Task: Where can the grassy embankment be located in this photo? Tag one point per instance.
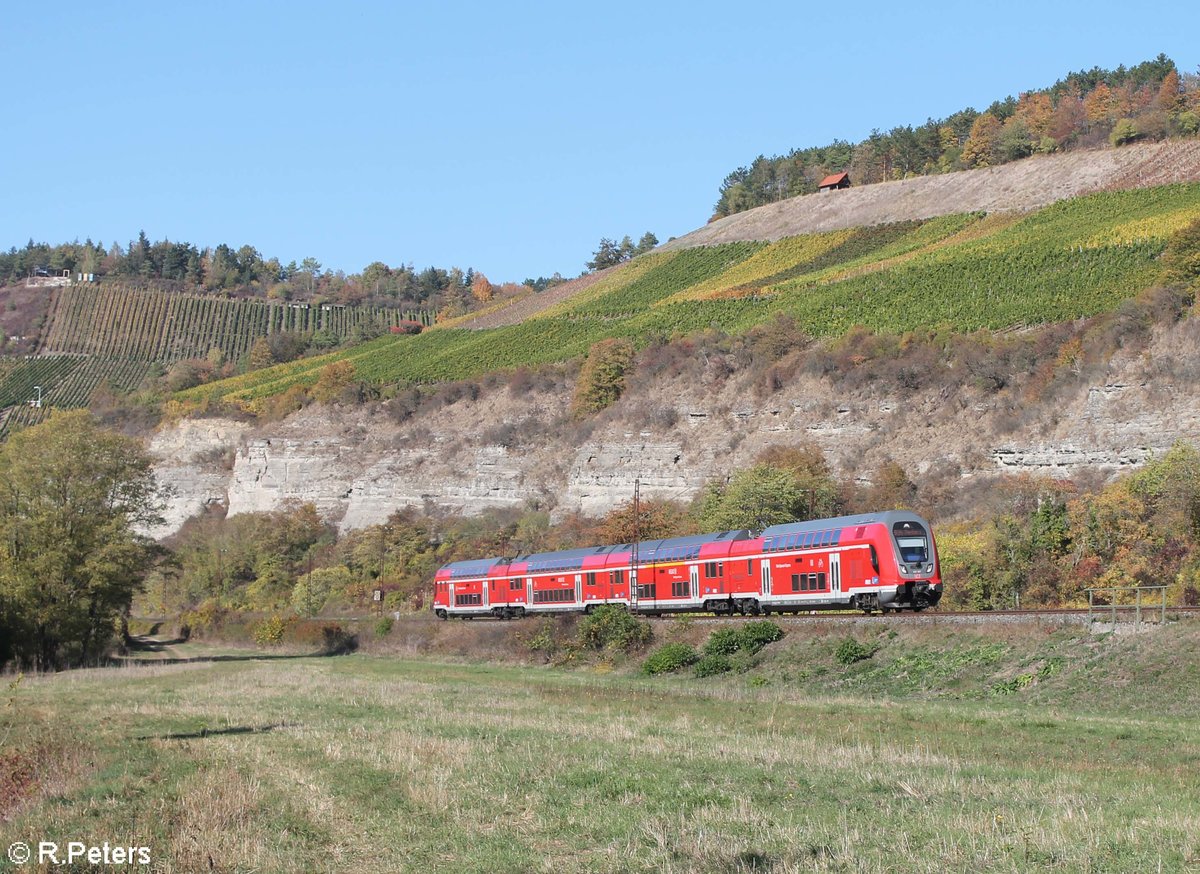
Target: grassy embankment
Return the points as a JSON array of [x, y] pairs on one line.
[[922, 757], [1074, 259]]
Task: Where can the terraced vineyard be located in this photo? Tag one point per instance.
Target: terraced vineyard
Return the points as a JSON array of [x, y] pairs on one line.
[[114, 335], [115, 321], [66, 382], [1073, 259]]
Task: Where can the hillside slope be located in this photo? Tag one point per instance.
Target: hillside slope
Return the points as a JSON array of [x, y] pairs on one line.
[[1018, 187], [961, 272], [1021, 186]]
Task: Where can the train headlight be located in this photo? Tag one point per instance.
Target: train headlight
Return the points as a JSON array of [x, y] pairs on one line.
[[928, 568]]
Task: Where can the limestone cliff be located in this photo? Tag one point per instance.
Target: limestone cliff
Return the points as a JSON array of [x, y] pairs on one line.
[[358, 465]]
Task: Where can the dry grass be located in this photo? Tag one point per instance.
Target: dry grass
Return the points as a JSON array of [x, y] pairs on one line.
[[372, 763], [1017, 187]]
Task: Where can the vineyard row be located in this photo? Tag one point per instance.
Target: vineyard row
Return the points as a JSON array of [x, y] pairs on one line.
[[112, 321]]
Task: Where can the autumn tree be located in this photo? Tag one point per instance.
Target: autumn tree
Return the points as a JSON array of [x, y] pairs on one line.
[[805, 462], [72, 500], [335, 378], [1181, 259], [653, 520], [753, 499], [979, 149], [481, 289], [891, 489], [602, 377], [261, 354]]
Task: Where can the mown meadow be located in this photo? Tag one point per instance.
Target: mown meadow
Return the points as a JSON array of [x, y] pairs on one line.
[[1074, 259], [809, 761]]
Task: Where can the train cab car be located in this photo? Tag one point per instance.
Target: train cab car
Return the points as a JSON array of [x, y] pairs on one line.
[[876, 561]]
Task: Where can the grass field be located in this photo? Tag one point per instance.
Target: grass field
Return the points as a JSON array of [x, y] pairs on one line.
[[389, 763]]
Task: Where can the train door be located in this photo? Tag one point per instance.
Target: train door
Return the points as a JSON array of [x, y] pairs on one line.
[[528, 592], [578, 588], [633, 587], [835, 574], [695, 572], [486, 586], [450, 596], [766, 576]]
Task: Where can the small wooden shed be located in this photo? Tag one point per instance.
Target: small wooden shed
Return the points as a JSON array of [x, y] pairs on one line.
[[837, 180]]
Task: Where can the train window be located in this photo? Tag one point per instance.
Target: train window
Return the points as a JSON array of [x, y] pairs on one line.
[[645, 590], [614, 578], [514, 585], [591, 579], [749, 567], [795, 582], [808, 538], [910, 537], [820, 580], [874, 558], [679, 589], [468, 600], [553, 596]]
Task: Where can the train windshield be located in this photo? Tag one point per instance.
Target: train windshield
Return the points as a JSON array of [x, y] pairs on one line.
[[912, 541]]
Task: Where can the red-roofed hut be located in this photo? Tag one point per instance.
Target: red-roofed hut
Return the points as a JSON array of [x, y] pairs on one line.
[[837, 180]]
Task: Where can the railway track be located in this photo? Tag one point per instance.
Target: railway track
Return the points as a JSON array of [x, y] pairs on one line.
[[1078, 614]]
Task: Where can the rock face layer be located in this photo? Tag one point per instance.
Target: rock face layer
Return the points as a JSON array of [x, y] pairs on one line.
[[357, 465]]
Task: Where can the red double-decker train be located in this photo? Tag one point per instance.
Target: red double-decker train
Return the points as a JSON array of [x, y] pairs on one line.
[[875, 561]]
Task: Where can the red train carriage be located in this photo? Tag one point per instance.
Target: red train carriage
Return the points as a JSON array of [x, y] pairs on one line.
[[880, 561]]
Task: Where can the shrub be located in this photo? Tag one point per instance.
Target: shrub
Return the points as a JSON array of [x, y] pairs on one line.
[[383, 627], [713, 664], [1124, 131], [614, 628], [724, 642], [850, 651], [543, 640], [758, 634], [334, 379], [670, 657], [269, 632], [337, 640]]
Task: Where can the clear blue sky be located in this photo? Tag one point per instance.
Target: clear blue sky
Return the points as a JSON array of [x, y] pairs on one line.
[[508, 137]]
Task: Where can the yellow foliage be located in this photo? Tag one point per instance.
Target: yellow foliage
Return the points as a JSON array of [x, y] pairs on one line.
[[623, 277], [741, 279], [1144, 230], [334, 378]]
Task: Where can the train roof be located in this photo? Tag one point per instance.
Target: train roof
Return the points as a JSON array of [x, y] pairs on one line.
[[562, 560], [684, 547], [476, 567], [887, 517]]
